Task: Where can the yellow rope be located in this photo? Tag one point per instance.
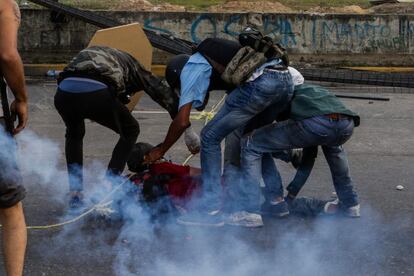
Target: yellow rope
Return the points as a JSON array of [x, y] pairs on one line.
[[188, 159], [93, 208]]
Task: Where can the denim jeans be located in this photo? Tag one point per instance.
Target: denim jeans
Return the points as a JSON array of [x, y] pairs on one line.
[[318, 130], [236, 194], [241, 105]]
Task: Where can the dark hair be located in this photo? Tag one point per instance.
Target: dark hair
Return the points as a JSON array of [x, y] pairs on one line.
[[136, 159]]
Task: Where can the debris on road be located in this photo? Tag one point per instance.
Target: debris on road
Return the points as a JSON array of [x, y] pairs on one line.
[[399, 187]]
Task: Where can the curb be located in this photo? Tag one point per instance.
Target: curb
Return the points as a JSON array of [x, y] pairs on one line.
[[43, 69]]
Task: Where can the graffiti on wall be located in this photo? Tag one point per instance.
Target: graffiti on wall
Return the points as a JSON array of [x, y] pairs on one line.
[[369, 36], [312, 33]]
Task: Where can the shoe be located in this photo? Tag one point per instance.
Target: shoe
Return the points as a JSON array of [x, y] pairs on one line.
[[335, 206], [245, 219], [276, 210], [76, 202], [353, 212], [331, 207], [207, 219]]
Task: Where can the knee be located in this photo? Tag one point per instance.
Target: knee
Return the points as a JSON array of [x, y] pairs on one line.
[[208, 137], [132, 132]]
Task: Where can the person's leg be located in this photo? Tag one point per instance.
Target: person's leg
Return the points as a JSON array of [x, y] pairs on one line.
[[108, 111], [234, 188], [129, 134], [69, 107], [14, 236], [240, 106], [75, 132], [232, 148], [268, 139], [224, 123], [231, 170], [272, 180], [274, 138], [11, 211], [338, 164]]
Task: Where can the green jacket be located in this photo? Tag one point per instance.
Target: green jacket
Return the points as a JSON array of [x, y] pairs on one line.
[[312, 100]]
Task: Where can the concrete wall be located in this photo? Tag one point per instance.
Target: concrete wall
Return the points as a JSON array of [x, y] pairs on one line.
[[321, 39]]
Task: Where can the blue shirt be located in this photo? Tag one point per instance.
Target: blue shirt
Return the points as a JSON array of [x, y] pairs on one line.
[[195, 80]]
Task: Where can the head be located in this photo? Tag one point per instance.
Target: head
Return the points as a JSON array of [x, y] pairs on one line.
[[173, 70], [136, 159]]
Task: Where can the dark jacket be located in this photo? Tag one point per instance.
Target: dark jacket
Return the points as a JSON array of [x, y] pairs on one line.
[[122, 73]]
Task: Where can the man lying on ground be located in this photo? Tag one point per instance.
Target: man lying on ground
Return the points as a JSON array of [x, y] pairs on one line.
[[167, 188]]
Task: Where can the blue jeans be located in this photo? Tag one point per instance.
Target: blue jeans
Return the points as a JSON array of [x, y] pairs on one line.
[[318, 130], [241, 105], [237, 195]]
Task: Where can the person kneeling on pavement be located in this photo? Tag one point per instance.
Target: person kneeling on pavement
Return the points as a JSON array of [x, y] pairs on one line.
[[317, 117]]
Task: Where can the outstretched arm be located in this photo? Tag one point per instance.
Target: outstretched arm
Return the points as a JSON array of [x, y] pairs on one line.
[[180, 123], [303, 172], [11, 64]]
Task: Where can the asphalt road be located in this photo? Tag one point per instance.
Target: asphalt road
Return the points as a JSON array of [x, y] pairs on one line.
[[381, 156]]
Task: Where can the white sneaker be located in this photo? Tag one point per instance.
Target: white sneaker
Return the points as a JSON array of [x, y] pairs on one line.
[[331, 207], [354, 211], [245, 219]]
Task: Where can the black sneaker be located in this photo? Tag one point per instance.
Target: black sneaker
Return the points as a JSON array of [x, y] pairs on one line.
[[275, 210]]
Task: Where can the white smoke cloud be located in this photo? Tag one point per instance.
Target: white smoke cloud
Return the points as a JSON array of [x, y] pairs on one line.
[[142, 246]]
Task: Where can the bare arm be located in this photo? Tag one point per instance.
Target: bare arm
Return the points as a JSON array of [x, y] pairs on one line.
[[180, 123], [11, 64]]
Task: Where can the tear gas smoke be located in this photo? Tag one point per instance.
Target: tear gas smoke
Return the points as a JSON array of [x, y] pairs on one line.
[[142, 246]]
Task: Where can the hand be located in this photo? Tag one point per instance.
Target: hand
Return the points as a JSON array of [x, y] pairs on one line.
[[192, 140], [19, 111], [154, 155], [194, 150]]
